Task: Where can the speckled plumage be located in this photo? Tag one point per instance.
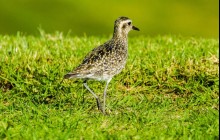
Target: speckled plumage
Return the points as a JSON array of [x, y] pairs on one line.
[[107, 60]]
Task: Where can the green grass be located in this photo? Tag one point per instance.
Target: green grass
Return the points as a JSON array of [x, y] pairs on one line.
[[168, 90]]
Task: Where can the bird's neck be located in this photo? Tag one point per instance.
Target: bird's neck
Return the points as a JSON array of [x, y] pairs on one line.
[[120, 36]]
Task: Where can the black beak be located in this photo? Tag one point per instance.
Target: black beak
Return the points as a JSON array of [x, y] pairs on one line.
[[135, 28]]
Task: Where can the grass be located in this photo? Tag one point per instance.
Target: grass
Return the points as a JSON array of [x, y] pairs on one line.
[[168, 90]]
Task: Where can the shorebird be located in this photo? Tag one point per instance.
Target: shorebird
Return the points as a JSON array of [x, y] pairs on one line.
[[107, 60]]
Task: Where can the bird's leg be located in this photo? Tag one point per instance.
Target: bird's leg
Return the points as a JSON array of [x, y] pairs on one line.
[[104, 95], [96, 97]]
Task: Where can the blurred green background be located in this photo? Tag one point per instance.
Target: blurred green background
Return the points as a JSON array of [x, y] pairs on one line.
[[96, 17]]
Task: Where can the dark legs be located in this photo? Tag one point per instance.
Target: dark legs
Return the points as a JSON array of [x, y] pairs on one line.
[[97, 98], [104, 95]]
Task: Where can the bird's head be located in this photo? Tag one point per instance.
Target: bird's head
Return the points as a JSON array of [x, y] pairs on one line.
[[123, 25]]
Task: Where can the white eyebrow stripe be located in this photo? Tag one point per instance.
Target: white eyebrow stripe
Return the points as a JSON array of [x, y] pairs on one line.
[[123, 22], [126, 21]]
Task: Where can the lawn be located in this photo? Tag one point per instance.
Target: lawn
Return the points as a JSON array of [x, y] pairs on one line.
[[168, 90]]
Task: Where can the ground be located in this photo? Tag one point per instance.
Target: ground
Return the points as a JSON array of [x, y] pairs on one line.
[[168, 90]]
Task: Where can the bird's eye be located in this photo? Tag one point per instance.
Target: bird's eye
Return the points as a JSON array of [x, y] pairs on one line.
[[129, 23]]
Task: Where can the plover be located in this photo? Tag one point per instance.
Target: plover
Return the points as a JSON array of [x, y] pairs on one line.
[[107, 60]]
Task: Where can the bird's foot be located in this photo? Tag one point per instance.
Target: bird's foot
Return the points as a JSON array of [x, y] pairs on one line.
[[100, 107]]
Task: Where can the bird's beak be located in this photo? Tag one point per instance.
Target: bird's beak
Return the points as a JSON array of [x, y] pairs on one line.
[[135, 28]]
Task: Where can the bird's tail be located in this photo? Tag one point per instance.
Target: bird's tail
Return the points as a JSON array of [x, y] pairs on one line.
[[69, 75]]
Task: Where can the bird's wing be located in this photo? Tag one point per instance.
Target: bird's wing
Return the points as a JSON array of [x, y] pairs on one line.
[[95, 55], [92, 60], [93, 63]]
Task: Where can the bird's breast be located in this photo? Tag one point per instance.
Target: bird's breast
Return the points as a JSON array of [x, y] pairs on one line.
[[116, 59]]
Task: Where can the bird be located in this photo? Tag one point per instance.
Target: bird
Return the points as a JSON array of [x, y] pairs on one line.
[[106, 60]]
